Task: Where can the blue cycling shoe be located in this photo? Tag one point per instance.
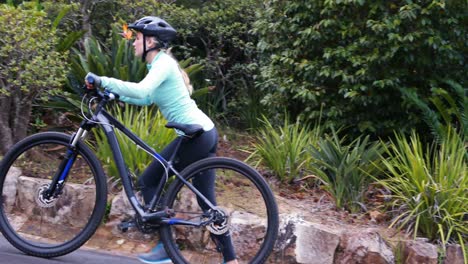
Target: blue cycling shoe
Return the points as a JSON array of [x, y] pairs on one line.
[[157, 255]]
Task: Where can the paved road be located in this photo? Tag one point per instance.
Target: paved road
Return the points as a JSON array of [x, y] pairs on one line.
[[10, 255]]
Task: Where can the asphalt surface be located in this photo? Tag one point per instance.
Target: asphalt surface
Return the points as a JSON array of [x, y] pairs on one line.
[[10, 255]]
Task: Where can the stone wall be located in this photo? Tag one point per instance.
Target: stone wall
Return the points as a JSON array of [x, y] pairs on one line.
[[299, 241]]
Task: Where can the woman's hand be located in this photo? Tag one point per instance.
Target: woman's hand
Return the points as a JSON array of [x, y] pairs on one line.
[[92, 81]]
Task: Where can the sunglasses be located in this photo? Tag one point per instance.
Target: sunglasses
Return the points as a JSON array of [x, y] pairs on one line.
[[127, 33]]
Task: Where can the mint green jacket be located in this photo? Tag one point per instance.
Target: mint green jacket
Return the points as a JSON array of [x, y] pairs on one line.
[[165, 87]]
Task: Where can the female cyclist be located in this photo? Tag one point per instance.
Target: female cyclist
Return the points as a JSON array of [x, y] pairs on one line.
[[167, 86]]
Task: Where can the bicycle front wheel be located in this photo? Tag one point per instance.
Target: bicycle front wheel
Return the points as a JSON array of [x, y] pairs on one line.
[[56, 226], [244, 197]]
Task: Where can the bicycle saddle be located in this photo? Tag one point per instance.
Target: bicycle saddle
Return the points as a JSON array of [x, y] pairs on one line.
[[190, 130]]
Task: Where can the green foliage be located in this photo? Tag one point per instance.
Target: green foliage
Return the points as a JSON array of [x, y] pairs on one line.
[[353, 58], [443, 110], [64, 17], [30, 67], [26, 50], [119, 61], [148, 124], [283, 149], [345, 168], [429, 187]]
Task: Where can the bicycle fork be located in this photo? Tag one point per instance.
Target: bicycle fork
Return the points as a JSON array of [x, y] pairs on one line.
[[56, 186]]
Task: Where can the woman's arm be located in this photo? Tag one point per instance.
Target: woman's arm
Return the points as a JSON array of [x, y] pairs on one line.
[[142, 102], [142, 90]]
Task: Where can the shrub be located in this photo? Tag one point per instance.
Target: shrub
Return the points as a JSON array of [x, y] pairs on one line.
[[355, 56], [443, 110], [345, 168], [30, 68], [283, 149], [429, 186]]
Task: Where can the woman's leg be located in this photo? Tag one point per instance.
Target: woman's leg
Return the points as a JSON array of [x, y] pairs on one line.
[[190, 151], [150, 178]]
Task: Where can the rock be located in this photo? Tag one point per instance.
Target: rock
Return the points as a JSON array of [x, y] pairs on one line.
[[246, 229], [305, 242], [10, 187], [73, 208], [454, 255], [121, 210], [364, 246], [316, 243], [417, 251]]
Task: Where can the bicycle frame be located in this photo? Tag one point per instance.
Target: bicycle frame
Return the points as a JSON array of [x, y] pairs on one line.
[[108, 123]]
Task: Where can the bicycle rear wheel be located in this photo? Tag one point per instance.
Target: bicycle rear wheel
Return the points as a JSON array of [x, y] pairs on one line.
[[56, 226], [244, 197]]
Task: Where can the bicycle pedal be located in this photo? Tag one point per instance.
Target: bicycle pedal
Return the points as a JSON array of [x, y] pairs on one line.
[[125, 225]]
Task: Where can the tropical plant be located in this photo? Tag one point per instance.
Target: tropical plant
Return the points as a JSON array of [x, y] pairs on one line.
[[445, 108], [63, 16], [344, 168], [146, 122], [429, 186], [30, 68], [283, 149]]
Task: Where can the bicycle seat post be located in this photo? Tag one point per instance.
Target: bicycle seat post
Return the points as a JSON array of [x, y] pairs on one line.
[[176, 149]]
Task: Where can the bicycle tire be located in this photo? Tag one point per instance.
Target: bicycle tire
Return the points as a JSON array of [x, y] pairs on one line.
[[243, 193], [52, 227]]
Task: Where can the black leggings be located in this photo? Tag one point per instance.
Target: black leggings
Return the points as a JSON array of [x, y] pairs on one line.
[[190, 150]]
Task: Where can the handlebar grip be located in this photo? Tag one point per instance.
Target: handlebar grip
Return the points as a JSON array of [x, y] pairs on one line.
[[90, 80]]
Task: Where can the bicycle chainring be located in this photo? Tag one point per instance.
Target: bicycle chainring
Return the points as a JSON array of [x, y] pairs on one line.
[[145, 227]]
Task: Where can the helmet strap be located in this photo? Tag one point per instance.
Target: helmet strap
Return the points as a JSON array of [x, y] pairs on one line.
[[145, 51]]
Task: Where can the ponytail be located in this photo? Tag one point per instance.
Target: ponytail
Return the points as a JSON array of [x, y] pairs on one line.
[[185, 76]]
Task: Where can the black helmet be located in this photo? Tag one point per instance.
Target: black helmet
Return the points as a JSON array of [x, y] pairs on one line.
[[154, 26]]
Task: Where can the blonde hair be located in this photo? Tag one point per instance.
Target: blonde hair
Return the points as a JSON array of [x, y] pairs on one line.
[[187, 82], [185, 76]]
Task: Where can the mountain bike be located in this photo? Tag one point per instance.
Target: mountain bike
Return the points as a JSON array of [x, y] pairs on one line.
[[54, 195]]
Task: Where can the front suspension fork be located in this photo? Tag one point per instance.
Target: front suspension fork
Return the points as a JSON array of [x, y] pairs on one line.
[[56, 186]]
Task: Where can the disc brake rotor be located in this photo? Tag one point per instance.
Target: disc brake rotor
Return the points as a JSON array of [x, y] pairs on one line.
[[222, 223], [41, 200]]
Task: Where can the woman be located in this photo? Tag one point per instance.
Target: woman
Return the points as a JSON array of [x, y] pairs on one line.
[[167, 86]]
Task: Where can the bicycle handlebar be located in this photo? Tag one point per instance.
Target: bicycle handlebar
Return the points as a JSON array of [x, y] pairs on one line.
[[106, 94]]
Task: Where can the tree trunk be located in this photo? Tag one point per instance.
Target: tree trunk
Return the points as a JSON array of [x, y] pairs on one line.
[[6, 136], [15, 114]]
